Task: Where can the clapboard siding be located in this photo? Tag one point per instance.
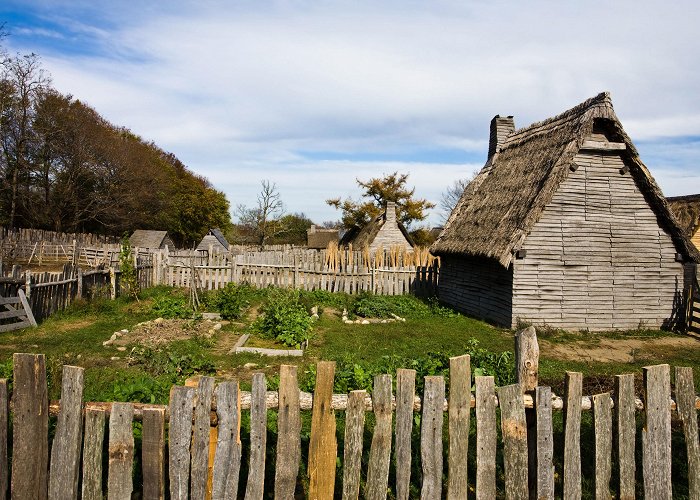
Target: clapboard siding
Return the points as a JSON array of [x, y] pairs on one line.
[[389, 235], [597, 258], [477, 286]]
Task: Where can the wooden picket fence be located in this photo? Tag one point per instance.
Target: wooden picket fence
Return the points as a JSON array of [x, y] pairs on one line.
[[192, 448]]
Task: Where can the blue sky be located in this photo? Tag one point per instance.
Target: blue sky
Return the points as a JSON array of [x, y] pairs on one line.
[[314, 94]]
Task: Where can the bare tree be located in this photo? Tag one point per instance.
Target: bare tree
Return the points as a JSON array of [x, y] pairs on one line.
[[451, 196], [263, 220]]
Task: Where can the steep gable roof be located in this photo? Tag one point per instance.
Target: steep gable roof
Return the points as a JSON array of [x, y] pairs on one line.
[[364, 236], [687, 212], [146, 238], [501, 205]]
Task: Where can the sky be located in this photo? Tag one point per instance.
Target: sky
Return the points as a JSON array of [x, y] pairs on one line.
[[312, 95]]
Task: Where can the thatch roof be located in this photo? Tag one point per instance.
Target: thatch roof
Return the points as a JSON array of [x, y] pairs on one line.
[[687, 212], [146, 238], [500, 206], [214, 238], [364, 236]]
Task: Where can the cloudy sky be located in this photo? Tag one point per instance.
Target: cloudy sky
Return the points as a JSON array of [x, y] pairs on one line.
[[314, 94]]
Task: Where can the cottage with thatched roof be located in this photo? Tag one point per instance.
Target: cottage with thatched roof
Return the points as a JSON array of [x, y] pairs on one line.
[[318, 238], [146, 238], [215, 240], [564, 226], [384, 231], [687, 212]]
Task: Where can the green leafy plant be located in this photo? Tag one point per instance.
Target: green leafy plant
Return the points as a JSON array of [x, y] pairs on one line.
[[128, 278], [233, 300], [284, 318], [373, 306], [178, 363], [172, 306], [142, 389]]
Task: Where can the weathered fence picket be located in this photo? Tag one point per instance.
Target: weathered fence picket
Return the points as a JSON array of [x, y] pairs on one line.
[[121, 452], [405, 394], [352, 454], [92, 454]]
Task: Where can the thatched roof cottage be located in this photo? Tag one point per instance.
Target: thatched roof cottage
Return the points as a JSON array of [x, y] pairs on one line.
[[147, 238], [564, 226], [384, 231], [687, 212], [214, 239], [319, 238]]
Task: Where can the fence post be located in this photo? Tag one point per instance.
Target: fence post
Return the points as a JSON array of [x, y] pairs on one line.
[[79, 291], [27, 283], [112, 283], [527, 353]]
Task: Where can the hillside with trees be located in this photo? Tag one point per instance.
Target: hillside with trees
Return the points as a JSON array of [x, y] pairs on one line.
[[63, 167]]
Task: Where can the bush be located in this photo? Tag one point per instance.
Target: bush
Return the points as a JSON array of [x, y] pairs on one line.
[[373, 306], [284, 318], [233, 300], [172, 306]]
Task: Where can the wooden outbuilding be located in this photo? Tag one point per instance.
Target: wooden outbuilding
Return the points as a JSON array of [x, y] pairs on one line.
[[214, 239], [687, 212], [384, 231], [565, 226], [147, 238], [318, 238]]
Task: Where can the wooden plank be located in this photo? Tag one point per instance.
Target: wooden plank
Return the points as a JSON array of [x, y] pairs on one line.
[[27, 309], [4, 421], [227, 461], [288, 433], [626, 428], [380, 449], [121, 452], [322, 445], [30, 441], [602, 422], [656, 434], [179, 437], [65, 451], [92, 453], [153, 453], [458, 426], [514, 432], [485, 438], [352, 449], [545, 443], [572, 435], [258, 438], [405, 394], [685, 402], [431, 437], [199, 464]]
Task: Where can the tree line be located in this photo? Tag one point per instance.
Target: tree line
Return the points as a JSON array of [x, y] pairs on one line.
[[63, 167]]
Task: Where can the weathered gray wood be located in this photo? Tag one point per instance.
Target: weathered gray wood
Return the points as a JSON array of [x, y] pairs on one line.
[[322, 445], [656, 434], [4, 421], [572, 435], [179, 437], [121, 452], [431, 437], [258, 438], [685, 402], [405, 394], [227, 460], [199, 465], [527, 355], [352, 452], [625, 434], [514, 432], [30, 425], [380, 449], [459, 406], [153, 453], [485, 438], [65, 451], [288, 432], [602, 421], [545, 443], [27, 308], [92, 453]]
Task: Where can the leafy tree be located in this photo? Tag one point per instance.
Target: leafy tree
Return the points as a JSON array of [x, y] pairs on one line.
[[379, 191], [293, 229], [262, 221]]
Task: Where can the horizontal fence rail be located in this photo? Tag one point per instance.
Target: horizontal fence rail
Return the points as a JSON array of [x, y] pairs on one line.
[[214, 452]]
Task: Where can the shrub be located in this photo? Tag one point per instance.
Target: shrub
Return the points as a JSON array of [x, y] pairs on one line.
[[284, 318], [373, 306], [233, 300], [172, 306]]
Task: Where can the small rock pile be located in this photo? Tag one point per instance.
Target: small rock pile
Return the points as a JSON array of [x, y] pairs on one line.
[[368, 321]]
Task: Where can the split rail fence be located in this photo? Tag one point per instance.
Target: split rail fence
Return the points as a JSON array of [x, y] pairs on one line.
[[193, 447]]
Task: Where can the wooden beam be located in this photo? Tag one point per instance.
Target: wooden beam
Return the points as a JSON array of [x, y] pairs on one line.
[[603, 145]]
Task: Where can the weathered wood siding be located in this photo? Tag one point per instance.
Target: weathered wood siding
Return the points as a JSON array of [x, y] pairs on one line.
[[389, 235], [477, 286], [597, 258]]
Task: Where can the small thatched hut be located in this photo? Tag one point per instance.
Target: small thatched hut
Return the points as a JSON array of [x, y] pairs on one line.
[[385, 231], [564, 226], [214, 239], [318, 238], [147, 238], [687, 212]]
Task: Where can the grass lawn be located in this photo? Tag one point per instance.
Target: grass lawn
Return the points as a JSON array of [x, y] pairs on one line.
[[425, 341]]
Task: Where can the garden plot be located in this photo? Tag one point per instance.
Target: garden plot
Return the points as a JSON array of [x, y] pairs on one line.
[[162, 331]]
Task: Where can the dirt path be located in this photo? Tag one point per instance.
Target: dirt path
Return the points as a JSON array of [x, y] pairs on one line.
[[606, 350]]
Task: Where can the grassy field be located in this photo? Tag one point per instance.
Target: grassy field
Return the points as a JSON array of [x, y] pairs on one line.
[[429, 336]]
